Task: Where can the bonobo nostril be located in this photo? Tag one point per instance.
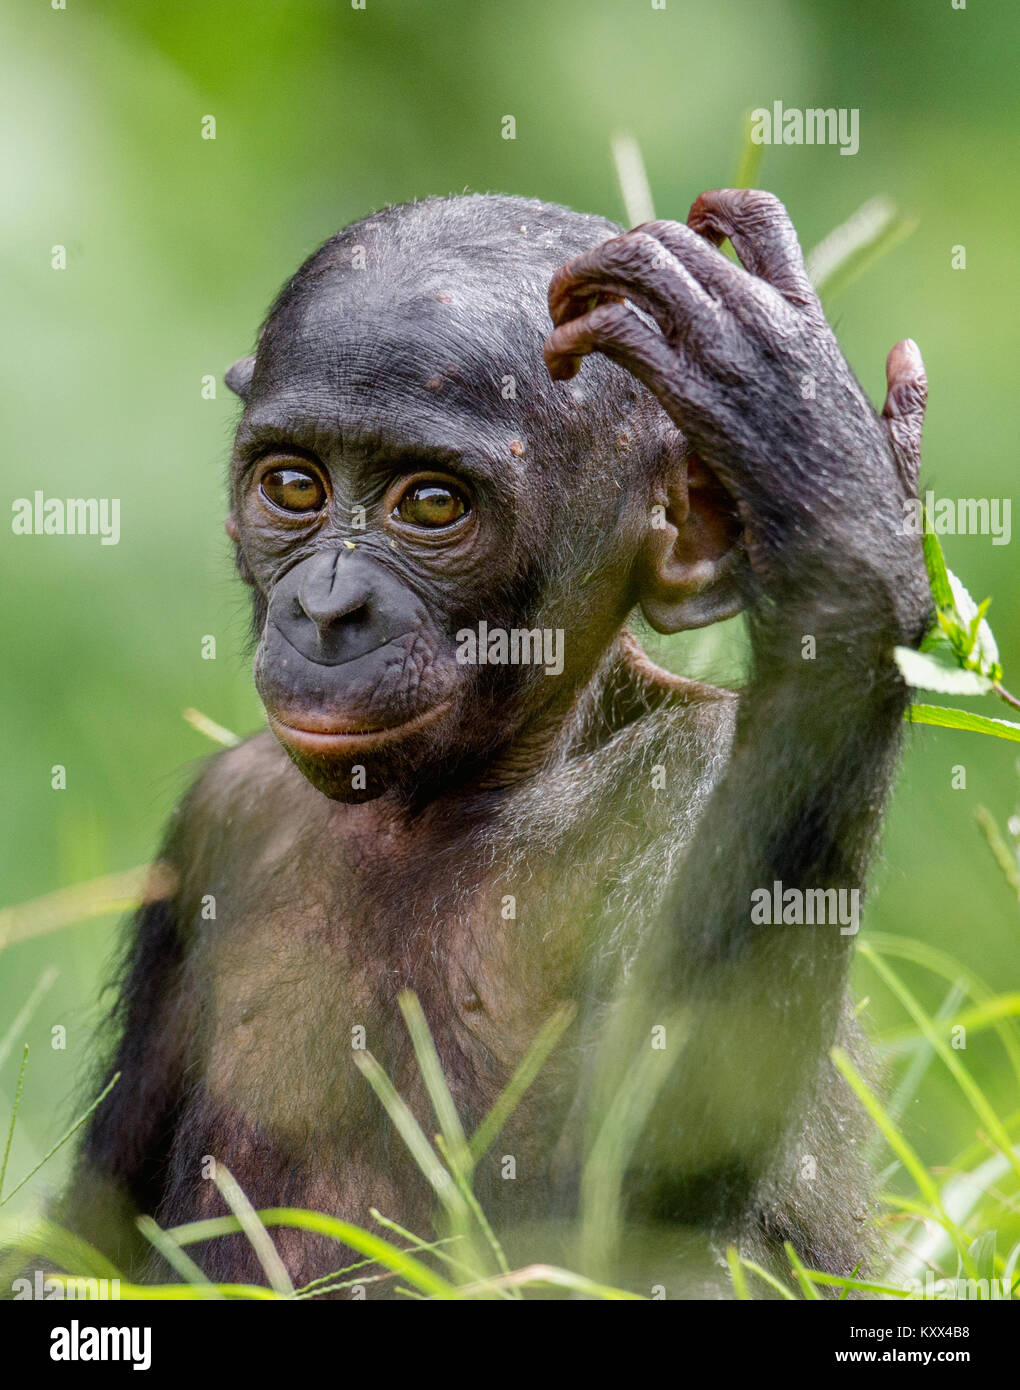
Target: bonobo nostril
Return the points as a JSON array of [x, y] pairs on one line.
[[335, 608], [330, 594], [327, 615]]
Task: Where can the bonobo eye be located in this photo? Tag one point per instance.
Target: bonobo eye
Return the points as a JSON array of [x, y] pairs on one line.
[[431, 505], [293, 489]]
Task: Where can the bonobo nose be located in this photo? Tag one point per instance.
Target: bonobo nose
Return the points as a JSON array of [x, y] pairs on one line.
[[338, 605], [330, 594]]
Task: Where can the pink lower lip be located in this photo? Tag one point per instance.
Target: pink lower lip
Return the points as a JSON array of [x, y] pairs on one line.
[[327, 740]]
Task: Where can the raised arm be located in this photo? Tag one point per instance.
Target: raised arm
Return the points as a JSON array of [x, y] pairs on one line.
[[745, 364]]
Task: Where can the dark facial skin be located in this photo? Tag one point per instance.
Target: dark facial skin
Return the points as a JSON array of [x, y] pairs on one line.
[[380, 506], [697, 446]]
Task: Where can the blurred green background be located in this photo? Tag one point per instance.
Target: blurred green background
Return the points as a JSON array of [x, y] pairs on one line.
[[176, 244]]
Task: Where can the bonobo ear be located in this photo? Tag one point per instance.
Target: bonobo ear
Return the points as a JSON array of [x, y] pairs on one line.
[[238, 377], [693, 562]]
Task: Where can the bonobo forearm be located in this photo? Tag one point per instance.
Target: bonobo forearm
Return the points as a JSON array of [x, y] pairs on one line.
[[751, 954], [755, 946]]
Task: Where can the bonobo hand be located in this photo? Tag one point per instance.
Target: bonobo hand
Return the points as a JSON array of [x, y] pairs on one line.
[[746, 365]]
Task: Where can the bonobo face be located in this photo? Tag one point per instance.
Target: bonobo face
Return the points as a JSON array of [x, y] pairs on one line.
[[391, 491]]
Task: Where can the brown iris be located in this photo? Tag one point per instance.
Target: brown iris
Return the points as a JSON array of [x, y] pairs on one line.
[[431, 505], [294, 490]]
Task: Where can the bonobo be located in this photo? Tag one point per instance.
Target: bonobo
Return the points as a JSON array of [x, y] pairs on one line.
[[475, 784]]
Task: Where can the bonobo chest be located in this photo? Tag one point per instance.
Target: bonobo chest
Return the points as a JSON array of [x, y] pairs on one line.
[[303, 966], [493, 907]]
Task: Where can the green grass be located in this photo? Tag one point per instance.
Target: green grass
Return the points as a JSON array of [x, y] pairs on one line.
[[957, 1223]]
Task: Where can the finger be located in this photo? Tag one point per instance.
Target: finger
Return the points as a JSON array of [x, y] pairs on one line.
[[725, 281], [637, 267], [618, 333], [903, 412], [762, 235]]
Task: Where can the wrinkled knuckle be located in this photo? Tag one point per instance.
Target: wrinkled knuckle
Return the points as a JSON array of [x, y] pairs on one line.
[[606, 317], [635, 250], [909, 396], [662, 227], [759, 203]]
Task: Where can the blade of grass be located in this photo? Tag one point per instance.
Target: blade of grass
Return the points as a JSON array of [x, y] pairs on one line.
[[1003, 856], [981, 1016], [464, 1184], [837, 1281], [941, 963], [620, 1125], [177, 1259], [324, 1287], [438, 1175], [959, 1198], [548, 1036], [432, 1247], [14, 1120], [978, 1150], [802, 1276], [737, 1276], [43, 1239], [770, 1279], [919, 1064], [64, 1138], [748, 164], [68, 906], [189, 1293], [364, 1242], [551, 1276], [630, 173], [455, 1141], [258, 1237], [855, 245], [210, 728], [923, 1180], [26, 1012], [976, 1097]]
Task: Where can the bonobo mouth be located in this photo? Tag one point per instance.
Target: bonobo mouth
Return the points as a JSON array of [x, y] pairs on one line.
[[325, 735]]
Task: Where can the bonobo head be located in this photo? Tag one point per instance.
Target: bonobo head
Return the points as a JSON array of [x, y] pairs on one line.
[[405, 471]]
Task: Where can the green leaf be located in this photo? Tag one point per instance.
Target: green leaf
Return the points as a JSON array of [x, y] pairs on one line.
[[935, 640], [926, 671], [945, 718], [938, 574], [955, 633], [982, 650]]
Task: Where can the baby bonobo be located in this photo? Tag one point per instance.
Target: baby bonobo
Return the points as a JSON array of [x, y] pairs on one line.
[[477, 787]]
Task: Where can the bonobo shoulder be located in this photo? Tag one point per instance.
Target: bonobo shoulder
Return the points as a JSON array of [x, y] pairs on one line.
[[240, 778], [240, 795]]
